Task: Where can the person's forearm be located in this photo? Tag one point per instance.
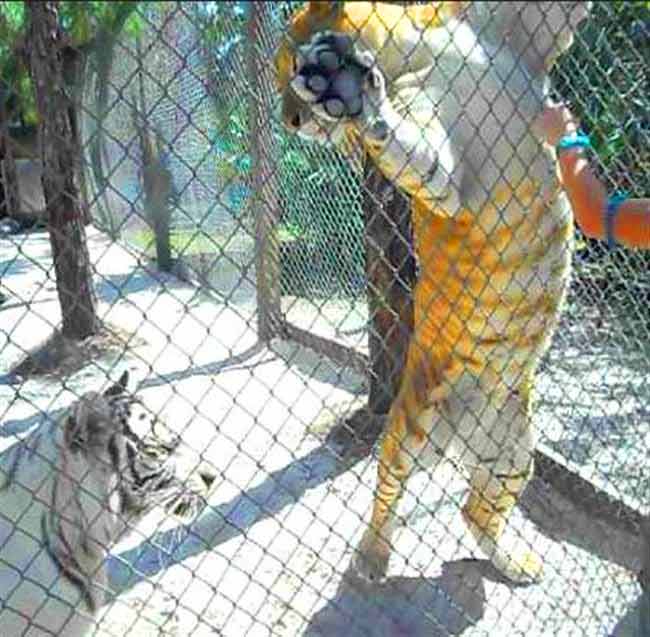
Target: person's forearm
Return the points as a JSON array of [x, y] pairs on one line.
[[632, 223], [588, 197]]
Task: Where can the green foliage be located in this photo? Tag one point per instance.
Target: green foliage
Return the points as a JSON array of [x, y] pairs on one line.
[[12, 19], [14, 78], [221, 22], [321, 230], [230, 141], [605, 78], [321, 215], [82, 21]]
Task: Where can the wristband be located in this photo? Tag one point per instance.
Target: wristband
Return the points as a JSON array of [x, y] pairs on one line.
[[576, 139], [611, 210]]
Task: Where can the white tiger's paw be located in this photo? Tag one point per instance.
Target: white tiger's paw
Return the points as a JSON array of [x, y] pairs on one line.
[[370, 561], [339, 81]]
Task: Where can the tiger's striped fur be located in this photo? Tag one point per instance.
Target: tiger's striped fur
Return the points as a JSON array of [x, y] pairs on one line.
[[68, 492], [442, 99]]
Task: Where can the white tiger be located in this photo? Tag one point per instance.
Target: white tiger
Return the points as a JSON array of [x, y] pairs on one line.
[[68, 492]]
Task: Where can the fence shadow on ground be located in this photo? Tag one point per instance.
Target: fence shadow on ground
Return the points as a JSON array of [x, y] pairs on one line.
[[21, 426], [111, 288], [236, 361]]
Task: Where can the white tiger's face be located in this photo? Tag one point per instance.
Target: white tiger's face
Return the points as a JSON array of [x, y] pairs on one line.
[[120, 452]]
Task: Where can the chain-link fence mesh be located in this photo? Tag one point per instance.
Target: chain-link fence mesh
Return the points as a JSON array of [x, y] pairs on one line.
[[263, 291]]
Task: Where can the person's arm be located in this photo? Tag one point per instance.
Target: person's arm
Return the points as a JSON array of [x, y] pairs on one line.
[[630, 224], [630, 220]]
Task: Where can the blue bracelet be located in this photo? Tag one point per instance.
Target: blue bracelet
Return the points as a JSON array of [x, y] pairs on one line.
[[613, 205], [577, 139]]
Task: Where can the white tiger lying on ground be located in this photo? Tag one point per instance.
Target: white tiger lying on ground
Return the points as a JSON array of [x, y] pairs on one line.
[[68, 492]]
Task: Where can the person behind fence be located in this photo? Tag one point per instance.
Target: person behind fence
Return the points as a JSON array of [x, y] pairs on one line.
[[616, 219]]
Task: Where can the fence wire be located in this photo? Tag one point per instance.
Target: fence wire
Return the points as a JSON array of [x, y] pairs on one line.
[[299, 320]]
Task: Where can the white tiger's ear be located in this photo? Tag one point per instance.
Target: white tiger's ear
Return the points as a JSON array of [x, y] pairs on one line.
[[116, 389]]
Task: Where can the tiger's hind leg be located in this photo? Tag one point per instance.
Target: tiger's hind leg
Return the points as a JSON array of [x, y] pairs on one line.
[[486, 514], [416, 438], [499, 457]]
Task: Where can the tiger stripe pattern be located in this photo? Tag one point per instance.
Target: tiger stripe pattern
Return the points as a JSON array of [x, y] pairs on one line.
[[69, 491], [442, 98]]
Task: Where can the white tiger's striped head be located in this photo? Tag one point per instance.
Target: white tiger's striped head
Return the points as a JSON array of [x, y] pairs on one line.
[[120, 452], [69, 491]]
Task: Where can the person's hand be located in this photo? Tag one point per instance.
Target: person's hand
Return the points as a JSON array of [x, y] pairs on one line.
[[554, 122]]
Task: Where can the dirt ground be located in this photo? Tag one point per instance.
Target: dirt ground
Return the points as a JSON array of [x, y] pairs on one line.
[[270, 554]]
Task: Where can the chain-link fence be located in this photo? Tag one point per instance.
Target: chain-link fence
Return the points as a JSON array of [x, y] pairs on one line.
[[281, 303]]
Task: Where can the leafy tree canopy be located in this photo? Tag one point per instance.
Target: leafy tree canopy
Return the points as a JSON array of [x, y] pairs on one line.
[[82, 21]]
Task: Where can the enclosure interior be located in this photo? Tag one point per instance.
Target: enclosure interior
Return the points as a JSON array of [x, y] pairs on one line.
[[259, 373]]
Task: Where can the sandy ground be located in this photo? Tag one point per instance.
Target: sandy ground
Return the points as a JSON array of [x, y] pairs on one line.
[[270, 555]]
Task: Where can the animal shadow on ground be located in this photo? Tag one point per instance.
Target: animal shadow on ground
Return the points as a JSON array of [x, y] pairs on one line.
[[406, 606]]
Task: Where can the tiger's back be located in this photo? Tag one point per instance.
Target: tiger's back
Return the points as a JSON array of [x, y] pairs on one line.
[[29, 578], [493, 272]]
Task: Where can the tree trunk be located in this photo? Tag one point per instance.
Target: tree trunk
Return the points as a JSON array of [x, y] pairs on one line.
[[644, 578], [264, 201], [156, 177], [104, 64], [391, 273], [157, 192], [104, 56], [74, 69], [59, 153], [9, 194]]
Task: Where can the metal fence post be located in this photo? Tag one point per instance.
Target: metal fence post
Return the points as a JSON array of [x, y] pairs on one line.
[[391, 275]]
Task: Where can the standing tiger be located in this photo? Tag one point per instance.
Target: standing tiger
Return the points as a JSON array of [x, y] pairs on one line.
[[68, 492], [442, 97]]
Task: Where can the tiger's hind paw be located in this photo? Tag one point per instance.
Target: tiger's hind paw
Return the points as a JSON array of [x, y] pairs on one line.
[[524, 567], [517, 565], [370, 561]]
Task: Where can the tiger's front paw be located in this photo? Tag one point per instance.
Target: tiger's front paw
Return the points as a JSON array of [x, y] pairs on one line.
[[341, 82], [370, 561]]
